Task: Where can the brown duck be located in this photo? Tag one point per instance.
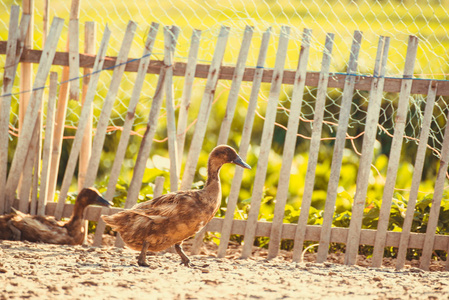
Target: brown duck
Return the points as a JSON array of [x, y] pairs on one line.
[[19, 226], [169, 219]]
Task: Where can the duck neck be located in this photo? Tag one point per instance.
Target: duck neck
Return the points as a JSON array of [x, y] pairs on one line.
[[76, 220], [213, 174]]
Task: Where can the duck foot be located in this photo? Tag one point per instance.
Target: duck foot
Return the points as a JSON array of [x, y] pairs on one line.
[[142, 259], [143, 263]]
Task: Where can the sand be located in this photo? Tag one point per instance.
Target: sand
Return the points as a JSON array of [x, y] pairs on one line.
[[42, 271]]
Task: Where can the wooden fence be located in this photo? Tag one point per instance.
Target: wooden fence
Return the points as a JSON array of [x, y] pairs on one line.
[[35, 163]]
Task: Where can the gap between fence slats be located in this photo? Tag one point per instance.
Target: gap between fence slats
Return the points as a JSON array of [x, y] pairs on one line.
[[395, 153], [127, 126], [289, 145], [266, 139], [429, 241], [46, 155], [235, 86], [204, 111], [417, 175], [339, 146], [189, 77], [170, 39], [355, 226], [32, 111], [76, 145], [103, 120], [244, 145], [314, 147], [16, 37]]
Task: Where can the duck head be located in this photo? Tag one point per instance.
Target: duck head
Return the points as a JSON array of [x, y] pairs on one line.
[[91, 195], [224, 154]]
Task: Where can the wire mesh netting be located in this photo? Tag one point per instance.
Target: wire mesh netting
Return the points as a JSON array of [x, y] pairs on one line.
[[428, 20]]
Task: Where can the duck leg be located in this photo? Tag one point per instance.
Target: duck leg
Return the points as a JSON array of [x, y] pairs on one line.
[[16, 233], [184, 258], [142, 260]]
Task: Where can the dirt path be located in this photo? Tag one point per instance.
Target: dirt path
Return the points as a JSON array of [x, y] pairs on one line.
[[33, 271]]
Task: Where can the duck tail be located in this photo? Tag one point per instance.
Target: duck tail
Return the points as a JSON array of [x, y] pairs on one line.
[[115, 221]]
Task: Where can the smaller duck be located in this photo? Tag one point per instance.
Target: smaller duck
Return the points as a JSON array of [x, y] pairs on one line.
[[168, 220], [18, 226]]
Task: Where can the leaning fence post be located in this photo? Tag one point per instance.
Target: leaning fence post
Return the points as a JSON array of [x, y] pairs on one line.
[[395, 152], [372, 117], [289, 145], [314, 147], [14, 48], [345, 110], [265, 145], [33, 109]]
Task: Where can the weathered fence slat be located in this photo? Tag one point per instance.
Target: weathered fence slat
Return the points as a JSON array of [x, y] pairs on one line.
[[189, 77], [372, 117], [314, 147], [86, 144], [16, 37], [204, 112], [144, 150], [147, 141], [46, 156], [158, 186], [429, 241], [103, 120], [85, 112], [235, 86], [244, 145], [170, 40], [265, 145], [232, 101], [61, 112], [33, 110], [127, 126], [417, 175], [289, 145], [395, 152], [74, 57], [339, 146]]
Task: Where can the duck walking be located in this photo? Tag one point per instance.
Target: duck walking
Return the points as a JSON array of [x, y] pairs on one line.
[[168, 220], [18, 226]]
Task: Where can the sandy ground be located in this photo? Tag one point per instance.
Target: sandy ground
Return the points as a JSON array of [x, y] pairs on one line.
[[41, 271]]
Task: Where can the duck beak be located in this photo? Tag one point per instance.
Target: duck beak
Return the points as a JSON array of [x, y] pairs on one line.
[[102, 201], [241, 163]]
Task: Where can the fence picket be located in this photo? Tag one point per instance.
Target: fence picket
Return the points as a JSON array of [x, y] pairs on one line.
[[76, 145], [32, 111], [42, 201], [170, 40], [230, 108], [127, 126], [429, 241], [417, 175], [147, 141], [289, 145], [205, 108], [265, 145], [314, 147], [189, 77], [372, 117], [158, 186], [86, 144], [244, 145], [74, 57], [16, 37], [103, 120], [395, 152], [339, 146], [235, 86]]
